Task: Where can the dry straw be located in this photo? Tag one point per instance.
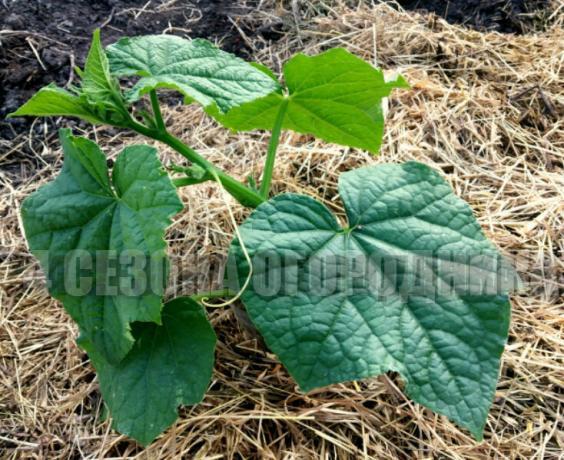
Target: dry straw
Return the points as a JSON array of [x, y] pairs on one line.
[[486, 109]]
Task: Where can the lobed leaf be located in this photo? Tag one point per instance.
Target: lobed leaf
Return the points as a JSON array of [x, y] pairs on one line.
[[412, 285], [84, 217], [169, 365], [335, 96], [196, 68]]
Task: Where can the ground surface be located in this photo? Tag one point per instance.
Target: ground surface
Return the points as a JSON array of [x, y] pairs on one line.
[[486, 109], [42, 40], [508, 16]]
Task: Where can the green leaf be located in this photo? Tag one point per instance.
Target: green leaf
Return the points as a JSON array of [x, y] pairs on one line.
[[98, 100], [411, 285], [54, 101], [169, 365], [100, 88], [84, 218], [196, 68], [335, 96], [264, 69], [97, 83]]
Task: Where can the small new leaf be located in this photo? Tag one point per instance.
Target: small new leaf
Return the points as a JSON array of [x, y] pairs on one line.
[[412, 285], [98, 85], [97, 100], [335, 96], [169, 365], [100, 241], [196, 68], [54, 101]]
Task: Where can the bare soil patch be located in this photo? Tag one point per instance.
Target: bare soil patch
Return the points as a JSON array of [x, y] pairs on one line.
[[507, 16], [42, 40]]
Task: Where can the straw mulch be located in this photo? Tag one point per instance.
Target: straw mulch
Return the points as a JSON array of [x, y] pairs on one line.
[[486, 109]]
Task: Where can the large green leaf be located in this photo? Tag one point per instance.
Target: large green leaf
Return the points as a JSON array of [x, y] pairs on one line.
[[54, 101], [335, 96], [196, 68], [169, 365], [411, 285], [84, 218]]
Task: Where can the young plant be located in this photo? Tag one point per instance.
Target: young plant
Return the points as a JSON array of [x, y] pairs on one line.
[[409, 284]]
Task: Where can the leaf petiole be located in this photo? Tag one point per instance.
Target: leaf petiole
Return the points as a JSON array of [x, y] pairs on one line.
[[157, 111], [185, 181], [272, 147]]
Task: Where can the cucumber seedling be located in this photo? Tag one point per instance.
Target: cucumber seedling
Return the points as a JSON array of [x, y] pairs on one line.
[[409, 284]]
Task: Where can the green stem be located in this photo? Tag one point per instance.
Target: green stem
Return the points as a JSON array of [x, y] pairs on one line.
[[184, 181], [157, 111], [238, 190], [272, 147], [213, 294]]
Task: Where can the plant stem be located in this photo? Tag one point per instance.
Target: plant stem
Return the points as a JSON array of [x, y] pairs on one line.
[[184, 181], [271, 153], [238, 190], [157, 111], [213, 294]]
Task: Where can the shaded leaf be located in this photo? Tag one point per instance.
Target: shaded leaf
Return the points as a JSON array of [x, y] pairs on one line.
[[114, 229], [411, 285], [169, 365]]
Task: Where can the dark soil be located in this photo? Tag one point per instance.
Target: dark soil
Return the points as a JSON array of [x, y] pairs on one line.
[[507, 16], [42, 40]]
